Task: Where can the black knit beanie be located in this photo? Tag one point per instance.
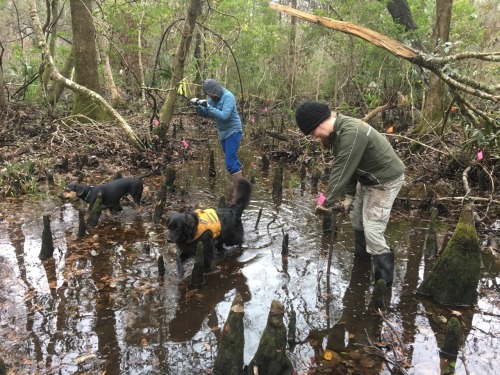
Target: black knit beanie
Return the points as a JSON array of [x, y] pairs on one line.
[[212, 88], [310, 114]]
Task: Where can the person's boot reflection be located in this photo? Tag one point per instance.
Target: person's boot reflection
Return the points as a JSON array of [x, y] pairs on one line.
[[380, 303], [357, 321], [356, 315]]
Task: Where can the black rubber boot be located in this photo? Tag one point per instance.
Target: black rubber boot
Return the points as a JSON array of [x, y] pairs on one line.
[[383, 267], [360, 245]]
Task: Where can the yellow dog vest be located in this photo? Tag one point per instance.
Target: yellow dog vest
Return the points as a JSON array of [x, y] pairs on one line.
[[207, 220]]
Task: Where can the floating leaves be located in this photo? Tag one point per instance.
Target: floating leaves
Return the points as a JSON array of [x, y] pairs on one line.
[[84, 358]]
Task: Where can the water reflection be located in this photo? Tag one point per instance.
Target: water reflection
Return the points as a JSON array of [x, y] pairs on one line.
[[100, 306], [197, 307]]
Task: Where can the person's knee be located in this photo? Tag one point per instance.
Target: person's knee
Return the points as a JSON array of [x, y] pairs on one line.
[[356, 220], [375, 241]]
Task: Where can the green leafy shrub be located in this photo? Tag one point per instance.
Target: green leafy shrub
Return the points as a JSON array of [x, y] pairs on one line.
[[18, 178]]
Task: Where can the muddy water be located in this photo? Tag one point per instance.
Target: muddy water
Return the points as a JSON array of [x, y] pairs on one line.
[[99, 306]]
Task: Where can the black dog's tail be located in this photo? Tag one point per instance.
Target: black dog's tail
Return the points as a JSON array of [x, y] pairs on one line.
[[241, 195]]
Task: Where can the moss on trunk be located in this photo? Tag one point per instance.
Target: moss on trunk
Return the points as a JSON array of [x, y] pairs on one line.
[[229, 358], [271, 357], [454, 278]]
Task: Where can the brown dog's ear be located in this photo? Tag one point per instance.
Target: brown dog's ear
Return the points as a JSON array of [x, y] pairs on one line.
[[80, 189]]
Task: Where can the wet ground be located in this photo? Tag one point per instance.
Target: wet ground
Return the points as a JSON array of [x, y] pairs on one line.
[[100, 306]]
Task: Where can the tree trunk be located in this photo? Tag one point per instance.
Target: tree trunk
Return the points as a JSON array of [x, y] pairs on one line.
[[178, 66], [401, 14], [292, 57], [109, 81], [490, 37], [85, 55], [51, 24], [198, 79], [3, 97], [57, 86], [434, 105], [139, 56], [76, 88]]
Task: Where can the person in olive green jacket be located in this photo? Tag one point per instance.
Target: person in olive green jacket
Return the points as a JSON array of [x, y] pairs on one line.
[[366, 170]]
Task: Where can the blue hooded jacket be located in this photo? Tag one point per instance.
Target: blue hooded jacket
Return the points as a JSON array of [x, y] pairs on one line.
[[225, 113]]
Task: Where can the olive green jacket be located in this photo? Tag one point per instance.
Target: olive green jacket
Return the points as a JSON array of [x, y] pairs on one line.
[[360, 154]]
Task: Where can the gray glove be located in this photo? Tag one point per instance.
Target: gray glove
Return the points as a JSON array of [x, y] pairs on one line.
[[194, 101], [347, 203]]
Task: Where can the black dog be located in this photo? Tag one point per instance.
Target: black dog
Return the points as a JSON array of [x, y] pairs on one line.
[[214, 228], [111, 192]]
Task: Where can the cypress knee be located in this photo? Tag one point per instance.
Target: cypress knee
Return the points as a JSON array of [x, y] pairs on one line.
[[454, 278], [95, 212], [271, 357], [47, 250], [211, 165], [198, 274], [82, 226], [451, 344], [229, 358]]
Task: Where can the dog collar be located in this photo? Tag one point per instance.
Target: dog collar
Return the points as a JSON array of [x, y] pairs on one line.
[[91, 187]]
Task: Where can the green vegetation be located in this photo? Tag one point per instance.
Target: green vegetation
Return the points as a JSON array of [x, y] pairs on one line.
[[455, 276], [18, 179], [264, 57]]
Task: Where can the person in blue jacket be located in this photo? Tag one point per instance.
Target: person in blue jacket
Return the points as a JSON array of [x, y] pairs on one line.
[[221, 105]]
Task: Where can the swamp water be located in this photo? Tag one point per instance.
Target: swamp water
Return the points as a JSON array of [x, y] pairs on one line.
[[100, 307]]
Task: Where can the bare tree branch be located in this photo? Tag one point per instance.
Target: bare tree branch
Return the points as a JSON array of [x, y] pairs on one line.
[[437, 65], [485, 56], [82, 90]]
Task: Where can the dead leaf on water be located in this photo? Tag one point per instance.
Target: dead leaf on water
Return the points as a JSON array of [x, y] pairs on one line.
[[367, 362], [442, 319], [191, 293], [84, 358], [238, 309]]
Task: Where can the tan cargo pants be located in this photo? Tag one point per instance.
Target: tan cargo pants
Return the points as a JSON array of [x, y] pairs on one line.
[[371, 211]]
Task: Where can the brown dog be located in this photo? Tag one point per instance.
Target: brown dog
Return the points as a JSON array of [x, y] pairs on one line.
[[111, 192]]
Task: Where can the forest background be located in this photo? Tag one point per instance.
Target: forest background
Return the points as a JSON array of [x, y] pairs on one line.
[[79, 76], [426, 68]]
